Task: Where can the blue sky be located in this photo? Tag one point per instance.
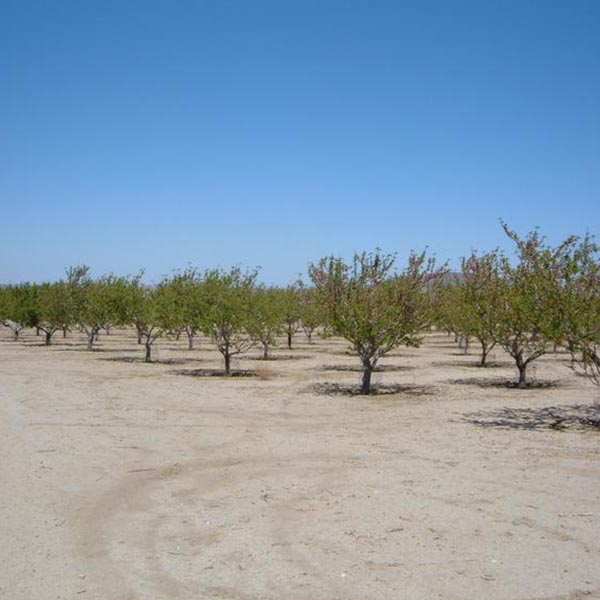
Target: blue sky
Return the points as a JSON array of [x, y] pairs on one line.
[[156, 134]]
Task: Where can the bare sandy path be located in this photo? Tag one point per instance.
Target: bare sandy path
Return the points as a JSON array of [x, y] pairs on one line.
[[122, 480]]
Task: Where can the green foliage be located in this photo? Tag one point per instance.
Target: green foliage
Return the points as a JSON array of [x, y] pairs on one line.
[[544, 295], [266, 317], [117, 296], [577, 296], [529, 319], [94, 303], [469, 304], [55, 307], [229, 318], [453, 313], [291, 311], [18, 307], [188, 302], [372, 307], [311, 316], [150, 310], [479, 300]]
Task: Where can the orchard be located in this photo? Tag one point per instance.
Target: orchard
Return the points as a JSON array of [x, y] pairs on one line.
[[527, 303]]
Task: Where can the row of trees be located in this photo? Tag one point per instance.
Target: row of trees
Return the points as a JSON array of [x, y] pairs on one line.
[[229, 306], [539, 298], [526, 303], [546, 296]]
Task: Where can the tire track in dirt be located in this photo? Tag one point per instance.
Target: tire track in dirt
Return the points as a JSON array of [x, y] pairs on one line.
[[157, 521]]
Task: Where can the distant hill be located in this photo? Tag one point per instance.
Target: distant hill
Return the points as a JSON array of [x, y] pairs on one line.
[[452, 277]]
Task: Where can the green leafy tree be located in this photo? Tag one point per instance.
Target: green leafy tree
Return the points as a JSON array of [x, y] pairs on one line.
[[4, 307], [95, 305], [132, 305], [588, 344], [578, 304], [229, 314], [18, 308], [188, 303], [55, 309], [291, 312], [311, 316], [481, 299], [76, 277], [453, 313], [10, 304], [373, 308], [266, 317], [529, 319], [153, 313], [117, 297]]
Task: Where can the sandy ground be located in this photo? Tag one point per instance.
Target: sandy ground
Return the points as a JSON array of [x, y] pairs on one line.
[[126, 481]]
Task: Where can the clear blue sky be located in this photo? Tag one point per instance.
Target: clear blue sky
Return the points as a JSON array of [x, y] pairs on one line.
[[156, 134]]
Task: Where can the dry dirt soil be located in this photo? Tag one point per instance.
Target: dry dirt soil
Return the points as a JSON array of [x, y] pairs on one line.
[[129, 481]]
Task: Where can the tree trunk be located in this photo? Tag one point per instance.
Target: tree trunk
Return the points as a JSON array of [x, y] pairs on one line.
[[90, 340], [467, 345], [190, 337], [64, 330], [15, 335], [148, 357], [309, 336], [484, 354], [37, 331], [366, 378], [289, 336], [139, 336], [265, 351], [48, 337], [227, 363], [107, 329], [522, 366]]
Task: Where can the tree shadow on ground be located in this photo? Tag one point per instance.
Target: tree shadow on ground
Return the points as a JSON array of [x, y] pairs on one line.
[[183, 347], [339, 352], [358, 368], [471, 364], [122, 349], [442, 344], [398, 354], [275, 357], [124, 359], [158, 361], [383, 389], [55, 345], [215, 373], [486, 382], [549, 417], [83, 347]]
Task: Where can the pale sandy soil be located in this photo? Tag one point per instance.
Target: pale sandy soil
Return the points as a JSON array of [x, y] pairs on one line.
[[126, 481]]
